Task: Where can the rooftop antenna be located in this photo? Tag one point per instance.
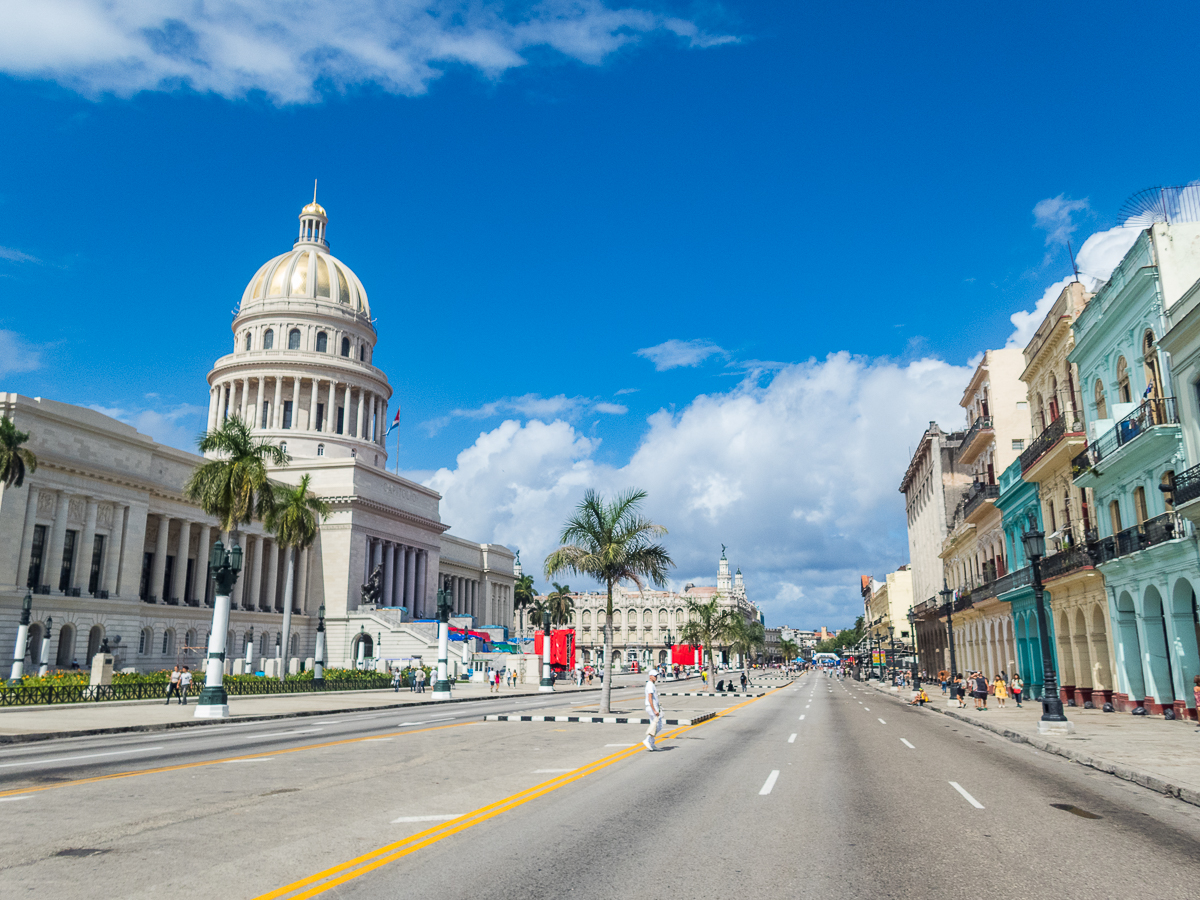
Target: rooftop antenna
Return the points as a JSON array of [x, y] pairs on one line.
[[1074, 267]]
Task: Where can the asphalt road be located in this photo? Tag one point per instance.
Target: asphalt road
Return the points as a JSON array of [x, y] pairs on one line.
[[868, 797]]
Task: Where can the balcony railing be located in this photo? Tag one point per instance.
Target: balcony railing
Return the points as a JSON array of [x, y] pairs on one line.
[[981, 424], [1066, 561], [1187, 486], [1044, 442], [977, 494], [1153, 531], [1147, 416]]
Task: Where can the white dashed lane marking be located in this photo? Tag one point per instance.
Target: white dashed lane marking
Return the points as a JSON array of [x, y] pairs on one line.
[[792, 739], [770, 783], [958, 787], [907, 744]]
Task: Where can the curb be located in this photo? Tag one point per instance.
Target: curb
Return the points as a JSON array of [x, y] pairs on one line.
[[598, 720], [710, 694], [1152, 782], [33, 737]]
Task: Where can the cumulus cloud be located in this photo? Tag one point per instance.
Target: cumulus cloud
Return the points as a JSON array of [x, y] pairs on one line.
[[293, 49], [176, 426], [610, 409], [1096, 259], [17, 354], [1055, 216], [674, 353], [797, 474], [529, 406], [14, 255]]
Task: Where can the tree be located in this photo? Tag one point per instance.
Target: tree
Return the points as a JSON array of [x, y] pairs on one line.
[[744, 638], [234, 487], [537, 611], [847, 637], [708, 625], [561, 604], [14, 459], [612, 543], [523, 594], [790, 650], [295, 516]]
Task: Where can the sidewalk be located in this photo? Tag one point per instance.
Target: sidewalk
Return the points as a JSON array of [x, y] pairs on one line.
[[21, 724], [1152, 752]]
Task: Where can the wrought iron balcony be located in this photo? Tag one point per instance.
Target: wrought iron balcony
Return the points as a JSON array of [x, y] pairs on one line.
[[978, 493], [1149, 415], [1067, 561], [978, 427], [1187, 486], [1162, 528], [1043, 442]]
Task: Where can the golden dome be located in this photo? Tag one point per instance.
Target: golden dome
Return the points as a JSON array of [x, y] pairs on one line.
[[314, 209]]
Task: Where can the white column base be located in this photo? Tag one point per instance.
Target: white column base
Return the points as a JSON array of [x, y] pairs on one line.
[[545, 690], [212, 711], [442, 695], [953, 704], [1045, 727]]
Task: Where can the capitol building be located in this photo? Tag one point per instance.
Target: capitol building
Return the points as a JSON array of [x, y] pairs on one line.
[[110, 547]]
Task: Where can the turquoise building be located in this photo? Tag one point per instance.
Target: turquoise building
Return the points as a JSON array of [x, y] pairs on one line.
[[1146, 551]]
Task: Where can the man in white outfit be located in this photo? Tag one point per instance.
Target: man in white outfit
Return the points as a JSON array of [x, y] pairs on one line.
[[653, 709]]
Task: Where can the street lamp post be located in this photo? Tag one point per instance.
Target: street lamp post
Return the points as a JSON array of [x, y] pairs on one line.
[[892, 653], [250, 651], [445, 601], [18, 666], [1053, 721], [547, 683], [45, 655], [912, 636], [948, 600], [226, 564], [319, 654], [361, 661]]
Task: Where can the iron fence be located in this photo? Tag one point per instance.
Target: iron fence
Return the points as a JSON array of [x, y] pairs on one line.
[[1044, 442], [40, 695]]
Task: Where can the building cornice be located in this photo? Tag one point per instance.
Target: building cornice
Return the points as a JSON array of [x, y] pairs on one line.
[[357, 500]]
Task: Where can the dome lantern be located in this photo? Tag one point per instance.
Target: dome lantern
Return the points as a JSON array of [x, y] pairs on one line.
[[312, 222]]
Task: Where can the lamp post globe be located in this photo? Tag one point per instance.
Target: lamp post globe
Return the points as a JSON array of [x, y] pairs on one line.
[[1053, 721], [213, 702], [546, 685]]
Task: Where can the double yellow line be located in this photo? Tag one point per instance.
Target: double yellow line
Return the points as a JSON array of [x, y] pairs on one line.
[[369, 862]]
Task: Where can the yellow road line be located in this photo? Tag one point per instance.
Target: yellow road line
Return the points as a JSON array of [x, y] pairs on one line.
[[368, 862], [213, 762]]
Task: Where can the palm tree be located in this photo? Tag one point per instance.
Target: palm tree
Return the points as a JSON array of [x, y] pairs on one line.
[[14, 459], [745, 637], [294, 519], [790, 650], [523, 594], [561, 605], [234, 487], [708, 625], [537, 611], [611, 542]]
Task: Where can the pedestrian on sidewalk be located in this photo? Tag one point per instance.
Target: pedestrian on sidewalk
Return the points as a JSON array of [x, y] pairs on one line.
[[412, 681], [185, 682], [1196, 693], [653, 709], [981, 692], [1000, 690], [173, 686], [1016, 687], [496, 679], [420, 676], [396, 680]]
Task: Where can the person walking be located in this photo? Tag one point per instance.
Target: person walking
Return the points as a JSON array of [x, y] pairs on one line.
[[412, 681], [960, 689], [185, 682], [1000, 690], [653, 709], [1196, 692], [396, 680], [419, 675], [981, 692], [173, 685], [1016, 687]]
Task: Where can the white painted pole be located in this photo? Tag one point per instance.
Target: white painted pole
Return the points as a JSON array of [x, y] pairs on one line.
[[442, 687]]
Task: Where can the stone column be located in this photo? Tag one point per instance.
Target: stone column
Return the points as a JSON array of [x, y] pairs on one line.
[[239, 587], [302, 581], [255, 564], [277, 416], [200, 576], [26, 549], [330, 408], [474, 597], [376, 556], [58, 539], [181, 556], [223, 404], [212, 408], [272, 573], [83, 552], [295, 402], [158, 570], [389, 553], [419, 603], [364, 418], [410, 578], [346, 415], [245, 398], [112, 548], [380, 420], [260, 392], [312, 406], [118, 585]]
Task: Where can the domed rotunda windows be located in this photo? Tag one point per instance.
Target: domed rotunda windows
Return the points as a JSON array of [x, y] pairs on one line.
[[345, 347], [269, 340], [294, 339], [322, 342], [249, 340]]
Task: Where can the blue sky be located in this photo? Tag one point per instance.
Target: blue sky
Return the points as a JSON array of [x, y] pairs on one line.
[[533, 194]]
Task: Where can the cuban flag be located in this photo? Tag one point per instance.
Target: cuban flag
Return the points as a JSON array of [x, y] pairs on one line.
[[395, 422]]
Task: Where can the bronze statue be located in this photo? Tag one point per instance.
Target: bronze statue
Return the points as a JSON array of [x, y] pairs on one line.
[[373, 589]]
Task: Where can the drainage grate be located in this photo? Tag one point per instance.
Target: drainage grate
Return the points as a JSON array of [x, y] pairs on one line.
[[1076, 811], [82, 851]]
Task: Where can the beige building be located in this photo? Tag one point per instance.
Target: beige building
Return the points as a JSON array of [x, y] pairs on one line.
[[886, 604], [103, 537]]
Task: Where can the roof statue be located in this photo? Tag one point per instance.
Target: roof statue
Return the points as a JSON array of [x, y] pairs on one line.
[[722, 551]]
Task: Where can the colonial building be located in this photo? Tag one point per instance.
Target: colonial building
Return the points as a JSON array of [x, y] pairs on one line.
[[109, 546], [886, 605]]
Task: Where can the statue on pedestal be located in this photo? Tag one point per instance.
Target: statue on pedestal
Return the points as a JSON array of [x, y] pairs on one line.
[[373, 589]]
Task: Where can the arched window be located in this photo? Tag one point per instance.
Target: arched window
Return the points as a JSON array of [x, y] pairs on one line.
[[248, 340], [145, 642], [294, 339], [264, 644], [362, 353], [1053, 398], [322, 342], [1101, 405], [293, 645], [168, 643], [1114, 514], [269, 340], [345, 346], [1139, 504], [320, 449], [189, 640], [1124, 394]]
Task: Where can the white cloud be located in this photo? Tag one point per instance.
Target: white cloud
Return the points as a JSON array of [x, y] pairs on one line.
[[293, 49], [176, 426], [675, 353], [627, 391], [14, 255], [798, 475], [17, 354], [530, 406], [1054, 216], [610, 409], [1096, 259]]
